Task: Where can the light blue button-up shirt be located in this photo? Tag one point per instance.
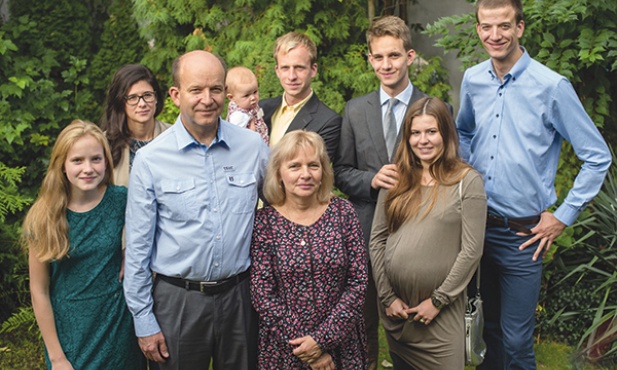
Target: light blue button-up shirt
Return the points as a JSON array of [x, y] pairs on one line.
[[511, 132], [190, 211]]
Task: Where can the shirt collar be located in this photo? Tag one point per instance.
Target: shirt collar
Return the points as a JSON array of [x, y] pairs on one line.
[[517, 69], [403, 97], [296, 107], [185, 139]]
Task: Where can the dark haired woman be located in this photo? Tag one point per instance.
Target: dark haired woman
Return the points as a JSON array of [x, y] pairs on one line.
[[426, 242], [134, 99]]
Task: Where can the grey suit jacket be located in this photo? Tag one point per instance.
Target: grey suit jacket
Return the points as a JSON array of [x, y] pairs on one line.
[[315, 116], [362, 152]]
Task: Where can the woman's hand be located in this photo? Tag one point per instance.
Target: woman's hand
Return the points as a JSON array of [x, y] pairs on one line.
[[425, 312], [324, 362], [307, 349], [397, 310]]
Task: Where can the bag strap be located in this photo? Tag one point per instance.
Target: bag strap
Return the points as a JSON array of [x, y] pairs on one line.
[[460, 195]]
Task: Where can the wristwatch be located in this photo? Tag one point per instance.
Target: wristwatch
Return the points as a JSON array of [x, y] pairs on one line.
[[437, 303]]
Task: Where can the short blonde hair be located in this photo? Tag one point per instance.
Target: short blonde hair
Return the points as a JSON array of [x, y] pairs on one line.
[[292, 40], [389, 26], [286, 149], [238, 75]]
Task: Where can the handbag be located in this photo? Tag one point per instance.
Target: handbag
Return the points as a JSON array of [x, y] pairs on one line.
[[475, 347]]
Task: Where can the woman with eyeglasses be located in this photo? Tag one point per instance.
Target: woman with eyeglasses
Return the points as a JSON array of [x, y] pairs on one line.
[[134, 99]]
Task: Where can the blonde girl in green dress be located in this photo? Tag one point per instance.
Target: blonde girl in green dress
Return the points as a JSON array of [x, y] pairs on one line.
[[73, 233]]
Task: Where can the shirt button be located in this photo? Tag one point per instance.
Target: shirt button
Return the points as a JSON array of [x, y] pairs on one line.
[[499, 94], [216, 209], [218, 237], [492, 157], [216, 264], [494, 136], [497, 115], [490, 177]]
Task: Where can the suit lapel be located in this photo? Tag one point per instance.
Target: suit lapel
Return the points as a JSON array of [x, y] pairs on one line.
[[269, 106], [305, 115], [374, 125]]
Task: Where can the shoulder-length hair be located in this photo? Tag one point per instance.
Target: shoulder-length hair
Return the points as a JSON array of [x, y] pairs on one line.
[[114, 120], [45, 230], [404, 200], [286, 149]]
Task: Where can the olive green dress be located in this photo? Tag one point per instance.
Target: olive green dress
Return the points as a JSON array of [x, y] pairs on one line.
[[438, 253], [94, 325]]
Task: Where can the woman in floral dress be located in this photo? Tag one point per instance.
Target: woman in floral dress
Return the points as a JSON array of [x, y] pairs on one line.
[[309, 268]]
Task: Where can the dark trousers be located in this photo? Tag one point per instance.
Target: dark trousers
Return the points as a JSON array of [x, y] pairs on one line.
[[199, 327], [399, 364], [371, 321], [510, 285]]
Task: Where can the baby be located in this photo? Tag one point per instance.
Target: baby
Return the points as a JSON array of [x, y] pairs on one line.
[[243, 96]]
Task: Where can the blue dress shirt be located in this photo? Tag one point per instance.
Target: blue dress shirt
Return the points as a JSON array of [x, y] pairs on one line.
[[190, 211], [511, 132]]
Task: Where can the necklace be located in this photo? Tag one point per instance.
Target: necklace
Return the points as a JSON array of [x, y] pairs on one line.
[[303, 217]]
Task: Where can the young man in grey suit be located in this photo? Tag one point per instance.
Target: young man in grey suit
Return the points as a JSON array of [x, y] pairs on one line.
[[299, 107], [370, 135]]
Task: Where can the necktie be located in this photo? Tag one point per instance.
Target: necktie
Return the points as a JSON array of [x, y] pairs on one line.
[[391, 131]]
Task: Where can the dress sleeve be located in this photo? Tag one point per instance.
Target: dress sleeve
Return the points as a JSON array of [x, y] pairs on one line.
[[266, 296], [473, 226], [344, 317], [377, 246], [239, 118]]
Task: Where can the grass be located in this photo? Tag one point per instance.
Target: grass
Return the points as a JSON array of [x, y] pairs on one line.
[[23, 350]]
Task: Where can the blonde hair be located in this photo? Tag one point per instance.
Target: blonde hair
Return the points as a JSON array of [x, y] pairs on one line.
[[404, 200], [292, 40], [45, 230], [238, 75], [286, 149]]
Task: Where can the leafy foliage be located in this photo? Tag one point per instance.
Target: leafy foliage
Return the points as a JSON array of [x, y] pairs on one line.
[[587, 314], [10, 200], [243, 32]]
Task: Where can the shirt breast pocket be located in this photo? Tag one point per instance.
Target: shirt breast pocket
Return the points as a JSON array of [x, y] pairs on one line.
[[177, 200], [242, 192]]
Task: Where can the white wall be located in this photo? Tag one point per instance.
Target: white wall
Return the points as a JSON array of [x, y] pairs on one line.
[[428, 11]]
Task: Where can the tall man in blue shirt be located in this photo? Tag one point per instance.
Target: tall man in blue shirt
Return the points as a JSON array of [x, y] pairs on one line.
[[514, 114], [191, 203]]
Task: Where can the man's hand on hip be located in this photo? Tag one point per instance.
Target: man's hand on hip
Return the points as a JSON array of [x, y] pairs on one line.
[[546, 231]]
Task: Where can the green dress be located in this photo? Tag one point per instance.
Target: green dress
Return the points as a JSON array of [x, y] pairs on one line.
[[94, 325]]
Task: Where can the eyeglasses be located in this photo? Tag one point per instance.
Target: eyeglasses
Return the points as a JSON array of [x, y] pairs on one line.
[[148, 97]]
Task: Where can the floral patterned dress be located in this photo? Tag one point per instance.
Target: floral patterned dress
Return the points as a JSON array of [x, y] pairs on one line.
[[310, 280]]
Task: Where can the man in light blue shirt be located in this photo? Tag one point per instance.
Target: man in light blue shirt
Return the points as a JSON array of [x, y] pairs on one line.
[[189, 219], [514, 114]]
